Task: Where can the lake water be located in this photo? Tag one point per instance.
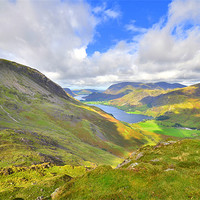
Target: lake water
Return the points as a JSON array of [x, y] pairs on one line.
[[121, 115], [80, 97]]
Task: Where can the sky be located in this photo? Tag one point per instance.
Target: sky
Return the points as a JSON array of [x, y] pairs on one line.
[[96, 43]]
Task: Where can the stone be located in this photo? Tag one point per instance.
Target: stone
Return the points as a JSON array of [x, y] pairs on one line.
[[139, 156]]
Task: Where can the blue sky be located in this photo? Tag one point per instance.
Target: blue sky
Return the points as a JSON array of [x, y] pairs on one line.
[[95, 43], [143, 13]]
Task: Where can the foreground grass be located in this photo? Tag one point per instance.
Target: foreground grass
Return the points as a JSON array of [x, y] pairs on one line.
[[36, 180], [169, 170], [166, 171]]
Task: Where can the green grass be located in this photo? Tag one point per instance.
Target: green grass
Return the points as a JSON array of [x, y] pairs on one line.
[[75, 129], [164, 128], [174, 175], [36, 180]]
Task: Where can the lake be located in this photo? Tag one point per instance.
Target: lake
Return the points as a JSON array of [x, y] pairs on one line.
[[80, 97], [121, 115]]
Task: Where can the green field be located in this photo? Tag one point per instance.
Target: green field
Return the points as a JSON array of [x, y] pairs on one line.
[[166, 129]]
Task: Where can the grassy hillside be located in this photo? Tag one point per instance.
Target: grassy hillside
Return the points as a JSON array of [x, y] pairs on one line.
[[40, 123], [131, 102], [176, 112], [30, 183], [169, 170], [43, 132], [180, 107]]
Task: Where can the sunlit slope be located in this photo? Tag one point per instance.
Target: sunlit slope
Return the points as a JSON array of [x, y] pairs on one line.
[[169, 170], [181, 107], [40, 123], [131, 101]]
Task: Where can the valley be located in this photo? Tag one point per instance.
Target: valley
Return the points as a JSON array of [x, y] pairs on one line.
[[49, 140], [100, 100]]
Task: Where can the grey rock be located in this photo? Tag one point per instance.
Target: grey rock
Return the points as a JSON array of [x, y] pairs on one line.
[[123, 163], [139, 156], [39, 198], [134, 164], [53, 195], [155, 160], [169, 169]]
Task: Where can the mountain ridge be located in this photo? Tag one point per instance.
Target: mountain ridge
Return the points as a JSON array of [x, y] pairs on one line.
[[116, 91], [36, 76]]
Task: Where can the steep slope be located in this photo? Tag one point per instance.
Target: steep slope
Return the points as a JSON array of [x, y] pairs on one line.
[[39, 123], [69, 92], [169, 170]]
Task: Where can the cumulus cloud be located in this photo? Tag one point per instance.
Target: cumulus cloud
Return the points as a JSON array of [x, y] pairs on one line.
[[48, 35], [104, 13], [53, 36], [132, 27], [174, 46]]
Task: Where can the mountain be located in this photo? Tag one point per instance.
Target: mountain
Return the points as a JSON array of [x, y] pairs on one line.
[[40, 123], [160, 85], [43, 131], [69, 92], [96, 96], [181, 107], [85, 91], [119, 90]]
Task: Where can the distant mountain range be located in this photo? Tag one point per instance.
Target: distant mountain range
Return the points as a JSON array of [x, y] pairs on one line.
[[85, 91], [158, 85], [175, 104], [121, 89], [74, 93]]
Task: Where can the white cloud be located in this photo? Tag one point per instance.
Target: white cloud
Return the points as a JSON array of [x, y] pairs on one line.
[[173, 48], [44, 34], [132, 27], [79, 54], [53, 36], [104, 13], [111, 13]]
